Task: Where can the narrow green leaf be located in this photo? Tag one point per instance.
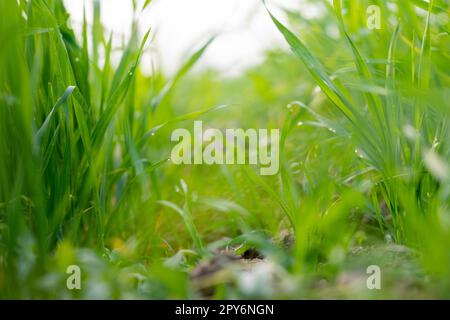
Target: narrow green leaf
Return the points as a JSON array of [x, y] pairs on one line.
[[317, 71]]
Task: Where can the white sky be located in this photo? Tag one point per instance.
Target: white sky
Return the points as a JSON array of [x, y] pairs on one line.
[[245, 28]]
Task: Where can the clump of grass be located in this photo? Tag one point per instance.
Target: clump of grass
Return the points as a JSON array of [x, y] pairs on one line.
[[73, 142], [396, 120]]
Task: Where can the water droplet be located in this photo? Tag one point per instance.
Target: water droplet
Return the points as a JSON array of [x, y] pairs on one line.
[[359, 153], [436, 165], [294, 106], [435, 143], [410, 132]]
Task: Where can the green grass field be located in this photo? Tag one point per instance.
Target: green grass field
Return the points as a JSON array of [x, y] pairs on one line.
[[364, 173]]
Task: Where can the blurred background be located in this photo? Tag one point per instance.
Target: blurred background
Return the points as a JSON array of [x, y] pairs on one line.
[[244, 28]]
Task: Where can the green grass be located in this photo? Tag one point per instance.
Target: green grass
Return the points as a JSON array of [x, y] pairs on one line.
[[364, 176]]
